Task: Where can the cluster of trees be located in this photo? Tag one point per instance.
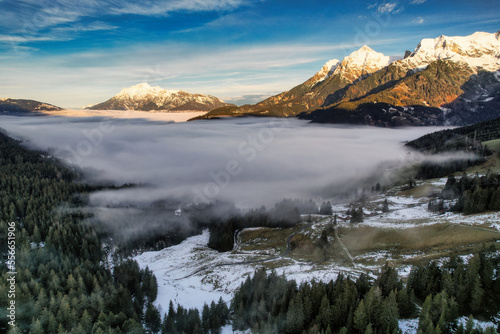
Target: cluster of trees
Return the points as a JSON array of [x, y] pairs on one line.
[[432, 170], [384, 113], [269, 303], [62, 283], [474, 286], [326, 208], [222, 231], [474, 194], [466, 138], [357, 215], [183, 320]]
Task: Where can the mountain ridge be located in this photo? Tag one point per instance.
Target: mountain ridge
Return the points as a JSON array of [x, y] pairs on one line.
[[442, 72], [9, 105], [143, 97]]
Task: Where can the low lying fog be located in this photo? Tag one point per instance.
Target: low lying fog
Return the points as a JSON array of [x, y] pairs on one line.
[[250, 161]]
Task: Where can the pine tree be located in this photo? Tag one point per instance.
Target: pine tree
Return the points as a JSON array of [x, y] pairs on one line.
[[152, 318], [360, 317], [294, 318], [385, 206], [36, 327], [495, 200], [390, 314]]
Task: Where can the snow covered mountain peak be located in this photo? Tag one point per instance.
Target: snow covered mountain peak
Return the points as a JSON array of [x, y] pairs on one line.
[[144, 97], [143, 90], [481, 50], [361, 62], [327, 70]]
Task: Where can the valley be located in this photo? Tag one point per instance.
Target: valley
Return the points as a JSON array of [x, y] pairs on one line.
[[407, 235], [363, 198]]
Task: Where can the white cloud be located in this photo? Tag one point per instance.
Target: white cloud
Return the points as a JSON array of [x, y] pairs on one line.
[[78, 27], [418, 20], [167, 6], [417, 2], [386, 8], [24, 39], [66, 33]]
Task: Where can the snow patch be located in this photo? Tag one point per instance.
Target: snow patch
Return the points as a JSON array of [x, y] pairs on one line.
[[477, 324], [408, 326]]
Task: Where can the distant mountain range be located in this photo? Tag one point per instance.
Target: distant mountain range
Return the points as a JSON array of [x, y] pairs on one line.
[[8, 105], [146, 98], [446, 80]]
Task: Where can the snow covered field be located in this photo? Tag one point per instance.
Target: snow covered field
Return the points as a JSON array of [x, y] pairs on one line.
[[192, 274]]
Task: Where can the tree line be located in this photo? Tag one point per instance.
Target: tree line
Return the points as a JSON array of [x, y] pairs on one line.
[[436, 295], [466, 138], [473, 194]]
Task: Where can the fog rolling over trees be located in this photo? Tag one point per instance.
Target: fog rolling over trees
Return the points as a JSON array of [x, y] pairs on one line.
[[250, 161]]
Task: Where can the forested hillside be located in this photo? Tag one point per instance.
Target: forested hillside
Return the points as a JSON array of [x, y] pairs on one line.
[[63, 282], [459, 139]]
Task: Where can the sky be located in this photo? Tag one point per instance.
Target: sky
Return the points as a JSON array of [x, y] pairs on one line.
[[74, 53]]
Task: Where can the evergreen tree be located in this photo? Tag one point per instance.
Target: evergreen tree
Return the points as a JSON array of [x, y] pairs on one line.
[[385, 206], [152, 318], [389, 314], [360, 318]]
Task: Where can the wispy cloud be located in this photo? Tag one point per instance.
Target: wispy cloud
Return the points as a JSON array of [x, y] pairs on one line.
[[79, 27], [61, 33], [168, 6], [387, 7], [418, 20], [417, 2], [30, 16], [25, 39]]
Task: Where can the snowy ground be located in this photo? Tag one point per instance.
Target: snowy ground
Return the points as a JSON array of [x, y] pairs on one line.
[[174, 265], [171, 266], [192, 274]]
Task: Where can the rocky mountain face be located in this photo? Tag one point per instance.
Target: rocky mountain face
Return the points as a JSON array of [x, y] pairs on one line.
[[310, 95], [146, 98], [8, 105], [446, 80]]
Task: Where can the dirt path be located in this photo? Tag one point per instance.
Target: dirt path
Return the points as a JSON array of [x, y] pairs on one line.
[[344, 247]]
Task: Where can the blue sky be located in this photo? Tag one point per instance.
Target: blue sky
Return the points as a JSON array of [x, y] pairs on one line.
[[74, 53]]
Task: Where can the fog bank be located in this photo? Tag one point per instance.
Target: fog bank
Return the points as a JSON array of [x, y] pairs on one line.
[[250, 161]]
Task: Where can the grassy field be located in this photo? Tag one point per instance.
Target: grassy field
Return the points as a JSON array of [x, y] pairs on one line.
[[374, 245], [273, 239], [493, 162], [493, 145], [415, 244]]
